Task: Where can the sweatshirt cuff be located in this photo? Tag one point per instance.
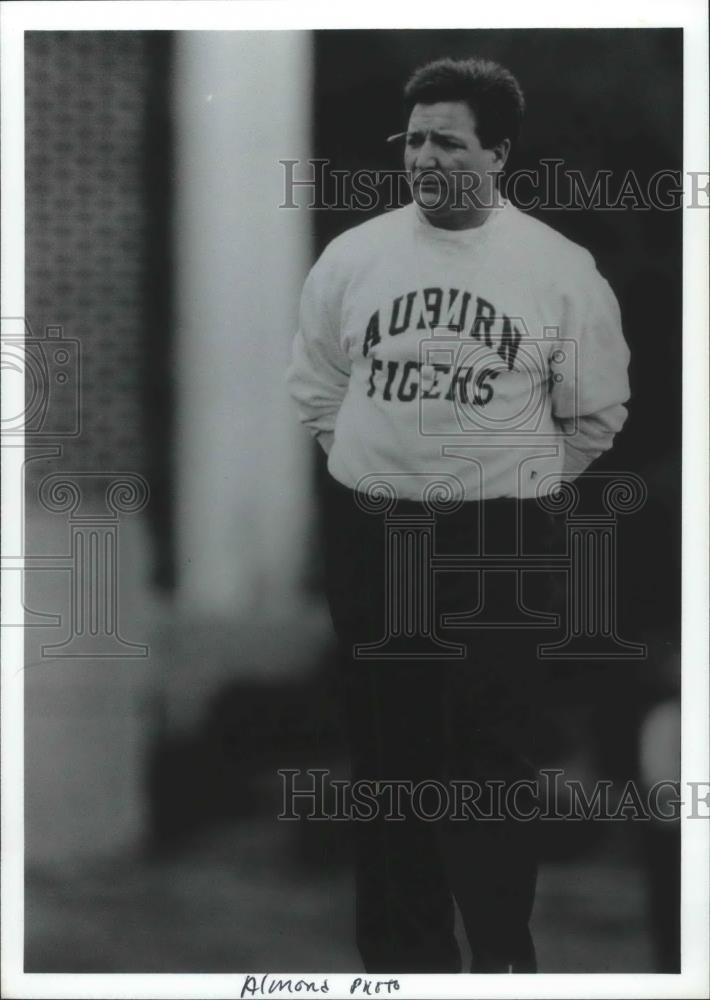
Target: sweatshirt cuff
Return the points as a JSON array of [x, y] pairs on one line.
[[325, 440]]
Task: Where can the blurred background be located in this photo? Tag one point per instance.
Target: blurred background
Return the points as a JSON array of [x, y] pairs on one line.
[[158, 714]]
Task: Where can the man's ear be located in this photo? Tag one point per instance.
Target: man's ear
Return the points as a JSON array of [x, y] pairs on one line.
[[501, 151]]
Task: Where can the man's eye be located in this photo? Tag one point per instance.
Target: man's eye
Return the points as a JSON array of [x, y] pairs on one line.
[[414, 140]]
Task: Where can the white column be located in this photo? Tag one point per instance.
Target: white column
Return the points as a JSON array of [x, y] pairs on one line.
[[242, 102]]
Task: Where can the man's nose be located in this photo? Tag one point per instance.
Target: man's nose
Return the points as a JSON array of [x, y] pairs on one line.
[[427, 156]]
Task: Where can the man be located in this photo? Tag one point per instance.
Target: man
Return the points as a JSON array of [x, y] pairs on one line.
[[454, 345]]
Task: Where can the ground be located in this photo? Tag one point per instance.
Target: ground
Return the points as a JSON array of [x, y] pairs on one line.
[[235, 901]]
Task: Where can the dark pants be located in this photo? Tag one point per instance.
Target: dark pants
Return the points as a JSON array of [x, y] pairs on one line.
[[440, 720]]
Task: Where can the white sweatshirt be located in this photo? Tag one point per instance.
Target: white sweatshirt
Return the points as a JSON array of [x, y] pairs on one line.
[[493, 354]]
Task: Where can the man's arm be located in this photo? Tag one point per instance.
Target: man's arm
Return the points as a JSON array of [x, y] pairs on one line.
[[319, 372], [588, 399], [592, 436]]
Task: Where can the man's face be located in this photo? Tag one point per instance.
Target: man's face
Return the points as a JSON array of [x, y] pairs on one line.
[[441, 140]]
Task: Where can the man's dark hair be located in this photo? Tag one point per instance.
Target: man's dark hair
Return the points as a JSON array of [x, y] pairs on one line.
[[491, 92]]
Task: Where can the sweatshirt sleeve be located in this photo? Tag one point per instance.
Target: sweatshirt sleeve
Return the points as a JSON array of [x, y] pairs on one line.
[[589, 372], [319, 372]]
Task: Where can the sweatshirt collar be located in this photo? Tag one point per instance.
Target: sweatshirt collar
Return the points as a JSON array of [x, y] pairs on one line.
[[460, 237]]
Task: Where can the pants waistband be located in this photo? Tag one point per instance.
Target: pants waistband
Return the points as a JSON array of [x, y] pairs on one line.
[[436, 503]]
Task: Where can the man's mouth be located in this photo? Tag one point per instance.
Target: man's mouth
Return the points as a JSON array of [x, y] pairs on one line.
[[430, 183]]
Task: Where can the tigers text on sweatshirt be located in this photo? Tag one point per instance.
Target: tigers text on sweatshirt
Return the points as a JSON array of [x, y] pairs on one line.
[[493, 354]]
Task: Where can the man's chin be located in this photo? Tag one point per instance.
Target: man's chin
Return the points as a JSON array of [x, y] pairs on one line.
[[451, 216], [434, 209], [431, 202]]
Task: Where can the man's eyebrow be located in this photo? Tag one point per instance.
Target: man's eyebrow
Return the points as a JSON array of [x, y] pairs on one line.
[[436, 132]]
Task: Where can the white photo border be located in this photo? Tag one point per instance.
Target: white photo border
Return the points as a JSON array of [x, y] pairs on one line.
[[691, 15]]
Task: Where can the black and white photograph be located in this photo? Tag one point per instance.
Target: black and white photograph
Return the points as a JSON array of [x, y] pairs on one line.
[[355, 500]]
